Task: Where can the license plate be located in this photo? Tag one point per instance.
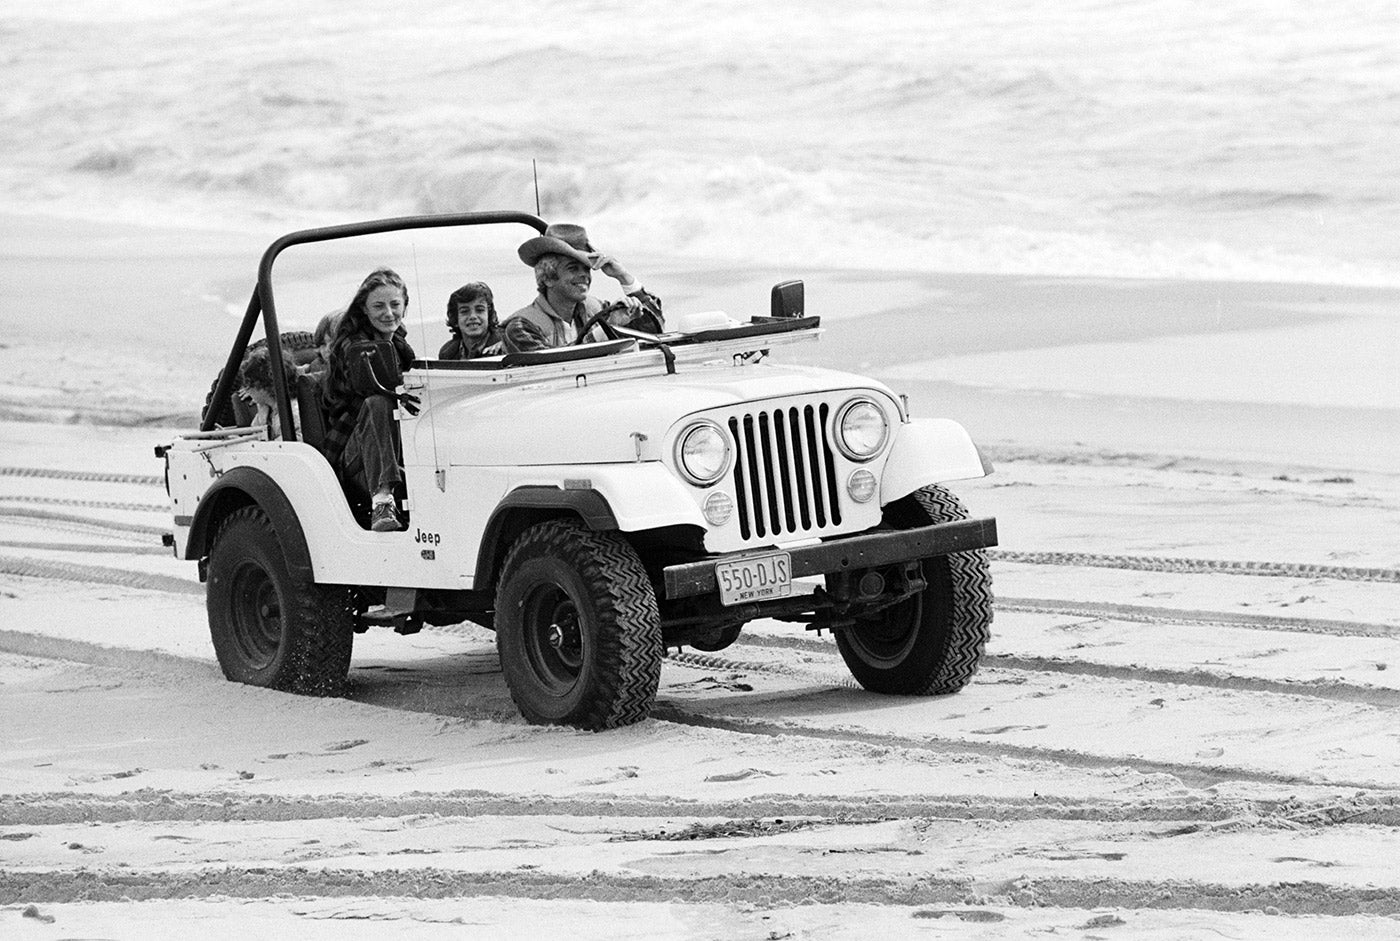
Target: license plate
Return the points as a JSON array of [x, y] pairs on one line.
[[755, 578]]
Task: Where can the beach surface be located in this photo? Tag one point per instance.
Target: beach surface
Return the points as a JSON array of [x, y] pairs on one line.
[[1184, 726], [1145, 252]]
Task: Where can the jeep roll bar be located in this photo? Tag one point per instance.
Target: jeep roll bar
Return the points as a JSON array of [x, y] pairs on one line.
[[262, 302]]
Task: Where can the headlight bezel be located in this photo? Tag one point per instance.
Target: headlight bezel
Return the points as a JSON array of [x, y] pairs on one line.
[[678, 453], [839, 433]]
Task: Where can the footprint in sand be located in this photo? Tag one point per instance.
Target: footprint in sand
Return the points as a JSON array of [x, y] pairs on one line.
[[623, 772], [741, 775], [346, 746], [974, 915]]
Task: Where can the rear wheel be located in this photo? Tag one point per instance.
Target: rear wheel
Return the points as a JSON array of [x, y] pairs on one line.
[[577, 628], [930, 643], [270, 626]]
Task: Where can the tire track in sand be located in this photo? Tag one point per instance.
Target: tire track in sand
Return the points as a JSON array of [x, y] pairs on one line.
[[1300, 898], [1206, 812], [1335, 691], [836, 677], [1203, 774]]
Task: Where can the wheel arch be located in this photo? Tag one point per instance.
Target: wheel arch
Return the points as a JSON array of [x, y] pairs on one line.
[[929, 451], [526, 506], [238, 488]]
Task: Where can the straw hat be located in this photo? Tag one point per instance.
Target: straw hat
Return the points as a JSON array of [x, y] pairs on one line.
[[560, 238]]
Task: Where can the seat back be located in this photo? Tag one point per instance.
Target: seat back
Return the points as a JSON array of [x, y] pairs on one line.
[[243, 411], [311, 410]]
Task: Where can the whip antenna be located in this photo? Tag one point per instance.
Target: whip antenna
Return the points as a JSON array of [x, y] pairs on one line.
[[535, 172], [439, 472]]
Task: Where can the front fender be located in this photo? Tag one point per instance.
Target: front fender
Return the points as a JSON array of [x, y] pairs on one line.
[[627, 497], [927, 451], [641, 495]]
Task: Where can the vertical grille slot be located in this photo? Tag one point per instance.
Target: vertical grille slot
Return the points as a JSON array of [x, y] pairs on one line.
[[830, 470], [740, 476], [784, 482], [799, 468], [810, 438], [768, 466], [756, 486], [784, 472]]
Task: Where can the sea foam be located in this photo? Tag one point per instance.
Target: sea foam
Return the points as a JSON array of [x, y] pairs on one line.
[[1150, 139]]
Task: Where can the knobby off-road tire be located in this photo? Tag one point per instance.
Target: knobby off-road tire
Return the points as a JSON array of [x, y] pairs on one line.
[[271, 625], [577, 628], [294, 341], [931, 643]]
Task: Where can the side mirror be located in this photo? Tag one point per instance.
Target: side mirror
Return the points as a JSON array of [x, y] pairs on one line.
[[788, 299]]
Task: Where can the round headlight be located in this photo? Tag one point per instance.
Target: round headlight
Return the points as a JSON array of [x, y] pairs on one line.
[[861, 429], [702, 453]]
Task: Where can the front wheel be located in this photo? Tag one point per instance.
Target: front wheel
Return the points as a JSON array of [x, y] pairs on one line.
[[577, 628], [931, 643], [272, 626]]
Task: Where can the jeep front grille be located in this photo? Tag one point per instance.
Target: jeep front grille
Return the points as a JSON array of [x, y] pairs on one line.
[[784, 471]]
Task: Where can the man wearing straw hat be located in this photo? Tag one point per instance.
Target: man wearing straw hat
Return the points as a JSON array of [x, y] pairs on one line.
[[564, 262]]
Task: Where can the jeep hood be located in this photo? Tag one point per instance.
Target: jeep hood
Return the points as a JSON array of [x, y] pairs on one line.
[[556, 423]]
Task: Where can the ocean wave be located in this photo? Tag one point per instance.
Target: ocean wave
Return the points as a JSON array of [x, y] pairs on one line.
[[1095, 137], [1233, 199], [750, 210]]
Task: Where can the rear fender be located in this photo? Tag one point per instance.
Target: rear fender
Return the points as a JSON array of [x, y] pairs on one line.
[[239, 487], [291, 480], [929, 451]]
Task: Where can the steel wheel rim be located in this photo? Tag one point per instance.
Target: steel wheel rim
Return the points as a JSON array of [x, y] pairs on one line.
[[887, 642], [553, 638], [256, 612]]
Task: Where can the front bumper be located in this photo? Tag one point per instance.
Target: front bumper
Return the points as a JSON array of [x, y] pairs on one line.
[[852, 553]]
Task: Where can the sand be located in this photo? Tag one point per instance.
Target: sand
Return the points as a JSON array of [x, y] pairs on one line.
[[1183, 727]]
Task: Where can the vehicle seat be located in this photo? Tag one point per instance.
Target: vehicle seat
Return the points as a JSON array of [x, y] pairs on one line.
[[312, 414], [243, 411], [311, 410]]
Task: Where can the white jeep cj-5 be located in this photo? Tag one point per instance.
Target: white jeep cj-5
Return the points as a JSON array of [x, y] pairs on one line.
[[593, 505]]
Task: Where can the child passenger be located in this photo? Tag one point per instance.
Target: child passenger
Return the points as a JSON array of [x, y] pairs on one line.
[[255, 385], [471, 318]]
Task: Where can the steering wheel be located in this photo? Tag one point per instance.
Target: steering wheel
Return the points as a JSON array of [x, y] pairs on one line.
[[599, 319]]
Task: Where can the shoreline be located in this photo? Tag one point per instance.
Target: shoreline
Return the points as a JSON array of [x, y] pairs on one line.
[[64, 362]]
